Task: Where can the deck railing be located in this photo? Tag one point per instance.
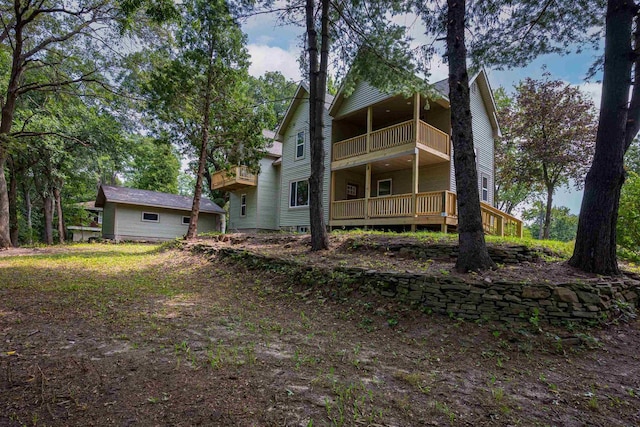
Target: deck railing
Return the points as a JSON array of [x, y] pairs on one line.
[[392, 136], [435, 203], [237, 175], [348, 209], [433, 138], [391, 206]]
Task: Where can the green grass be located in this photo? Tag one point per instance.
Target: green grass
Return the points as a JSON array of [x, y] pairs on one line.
[[93, 276], [562, 249]]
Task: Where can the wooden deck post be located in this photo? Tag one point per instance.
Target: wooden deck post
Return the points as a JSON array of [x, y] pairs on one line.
[[367, 191], [332, 196], [414, 188], [416, 115], [369, 127], [500, 226]]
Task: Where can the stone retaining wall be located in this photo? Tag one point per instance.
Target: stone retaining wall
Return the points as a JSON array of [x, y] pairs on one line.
[[590, 300]]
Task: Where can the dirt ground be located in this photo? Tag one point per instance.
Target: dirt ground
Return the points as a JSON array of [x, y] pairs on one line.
[[128, 335]]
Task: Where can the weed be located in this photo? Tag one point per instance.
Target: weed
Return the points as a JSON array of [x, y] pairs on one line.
[[498, 394], [444, 409]]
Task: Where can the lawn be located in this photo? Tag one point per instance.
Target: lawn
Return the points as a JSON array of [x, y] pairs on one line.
[[135, 335]]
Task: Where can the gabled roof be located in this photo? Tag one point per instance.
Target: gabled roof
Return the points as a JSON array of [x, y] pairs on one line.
[[274, 148], [487, 97], [298, 97], [134, 196], [442, 87]]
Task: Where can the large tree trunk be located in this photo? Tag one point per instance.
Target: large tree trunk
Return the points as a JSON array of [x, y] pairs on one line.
[[14, 230], [47, 203], [547, 213], [595, 249], [473, 254], [317, 90], [5, 235], [192, 232], [26, 195], [6, 121], [62, 235]]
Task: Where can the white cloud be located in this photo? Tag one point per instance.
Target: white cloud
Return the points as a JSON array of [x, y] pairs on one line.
[[271, 58], [593, 91]]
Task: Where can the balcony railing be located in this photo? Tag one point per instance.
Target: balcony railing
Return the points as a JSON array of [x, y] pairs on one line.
[[392, 136], [234, 179], [432, 204]]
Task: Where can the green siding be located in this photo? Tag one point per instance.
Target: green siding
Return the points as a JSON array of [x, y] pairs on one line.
[[108, 221], [268, 195], [262, 201], [237, 222], [482, 141], [129, 225], [296, 170], [363, 95]]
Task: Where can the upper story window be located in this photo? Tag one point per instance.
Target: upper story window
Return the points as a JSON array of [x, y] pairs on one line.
[[150, 217], [300, 145], [243, 205], [485, 188], [299, 194]]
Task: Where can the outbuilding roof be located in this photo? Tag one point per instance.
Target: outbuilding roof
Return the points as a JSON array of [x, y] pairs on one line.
[[134, 196]]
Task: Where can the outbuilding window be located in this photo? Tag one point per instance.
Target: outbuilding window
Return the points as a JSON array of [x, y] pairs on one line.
[[150, 217]]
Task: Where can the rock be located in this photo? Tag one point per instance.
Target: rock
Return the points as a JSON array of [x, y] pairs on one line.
[[512, 298], [532, 292], [566, 295], [588, 298]]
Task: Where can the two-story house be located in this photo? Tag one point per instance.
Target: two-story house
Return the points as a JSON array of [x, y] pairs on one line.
[[389, 161]]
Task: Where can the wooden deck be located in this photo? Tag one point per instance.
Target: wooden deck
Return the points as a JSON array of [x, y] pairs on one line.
[[433, 208], [235, 179], [391, 140]]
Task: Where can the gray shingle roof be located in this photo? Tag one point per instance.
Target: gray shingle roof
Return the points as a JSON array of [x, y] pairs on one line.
[[442, 86], [134, 196]]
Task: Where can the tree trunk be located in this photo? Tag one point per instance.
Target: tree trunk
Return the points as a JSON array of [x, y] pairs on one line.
[[547, 213], [473, 254], [317, 90], [192, 232], [595, 249], [14, 229], [62, 235], [26, 194], [6, 121], [47, 202]]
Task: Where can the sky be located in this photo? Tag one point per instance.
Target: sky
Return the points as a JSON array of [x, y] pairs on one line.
[[274, 47]]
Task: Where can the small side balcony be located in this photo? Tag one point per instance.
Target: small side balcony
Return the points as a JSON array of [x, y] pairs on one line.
[[236, 178]]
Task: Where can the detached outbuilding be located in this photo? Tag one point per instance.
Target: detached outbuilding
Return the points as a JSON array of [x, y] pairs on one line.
[[132, 214]]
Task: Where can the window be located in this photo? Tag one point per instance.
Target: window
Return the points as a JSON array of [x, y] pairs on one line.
[[243, 205], [302, 229], [300, 145], [299, 194], [485, 188], [186, 220], [384, 187], [352, 191], [150, 217]]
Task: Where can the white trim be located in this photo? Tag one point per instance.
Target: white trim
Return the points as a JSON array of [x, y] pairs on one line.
[[390, 186], [299, 206], [484, 176], [150, 220], [300, 145]]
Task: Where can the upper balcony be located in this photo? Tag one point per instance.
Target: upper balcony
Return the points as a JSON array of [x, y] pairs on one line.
[[392, 140], [235, 179], [393, 128]]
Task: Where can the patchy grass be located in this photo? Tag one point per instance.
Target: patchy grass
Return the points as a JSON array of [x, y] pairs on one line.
[[135, 335]]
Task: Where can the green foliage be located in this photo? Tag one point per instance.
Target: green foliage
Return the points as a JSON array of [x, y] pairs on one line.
[[564, 225], [154, 166], [628, 228]]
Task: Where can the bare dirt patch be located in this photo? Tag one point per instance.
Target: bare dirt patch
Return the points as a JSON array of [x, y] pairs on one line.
[[138, 337]]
